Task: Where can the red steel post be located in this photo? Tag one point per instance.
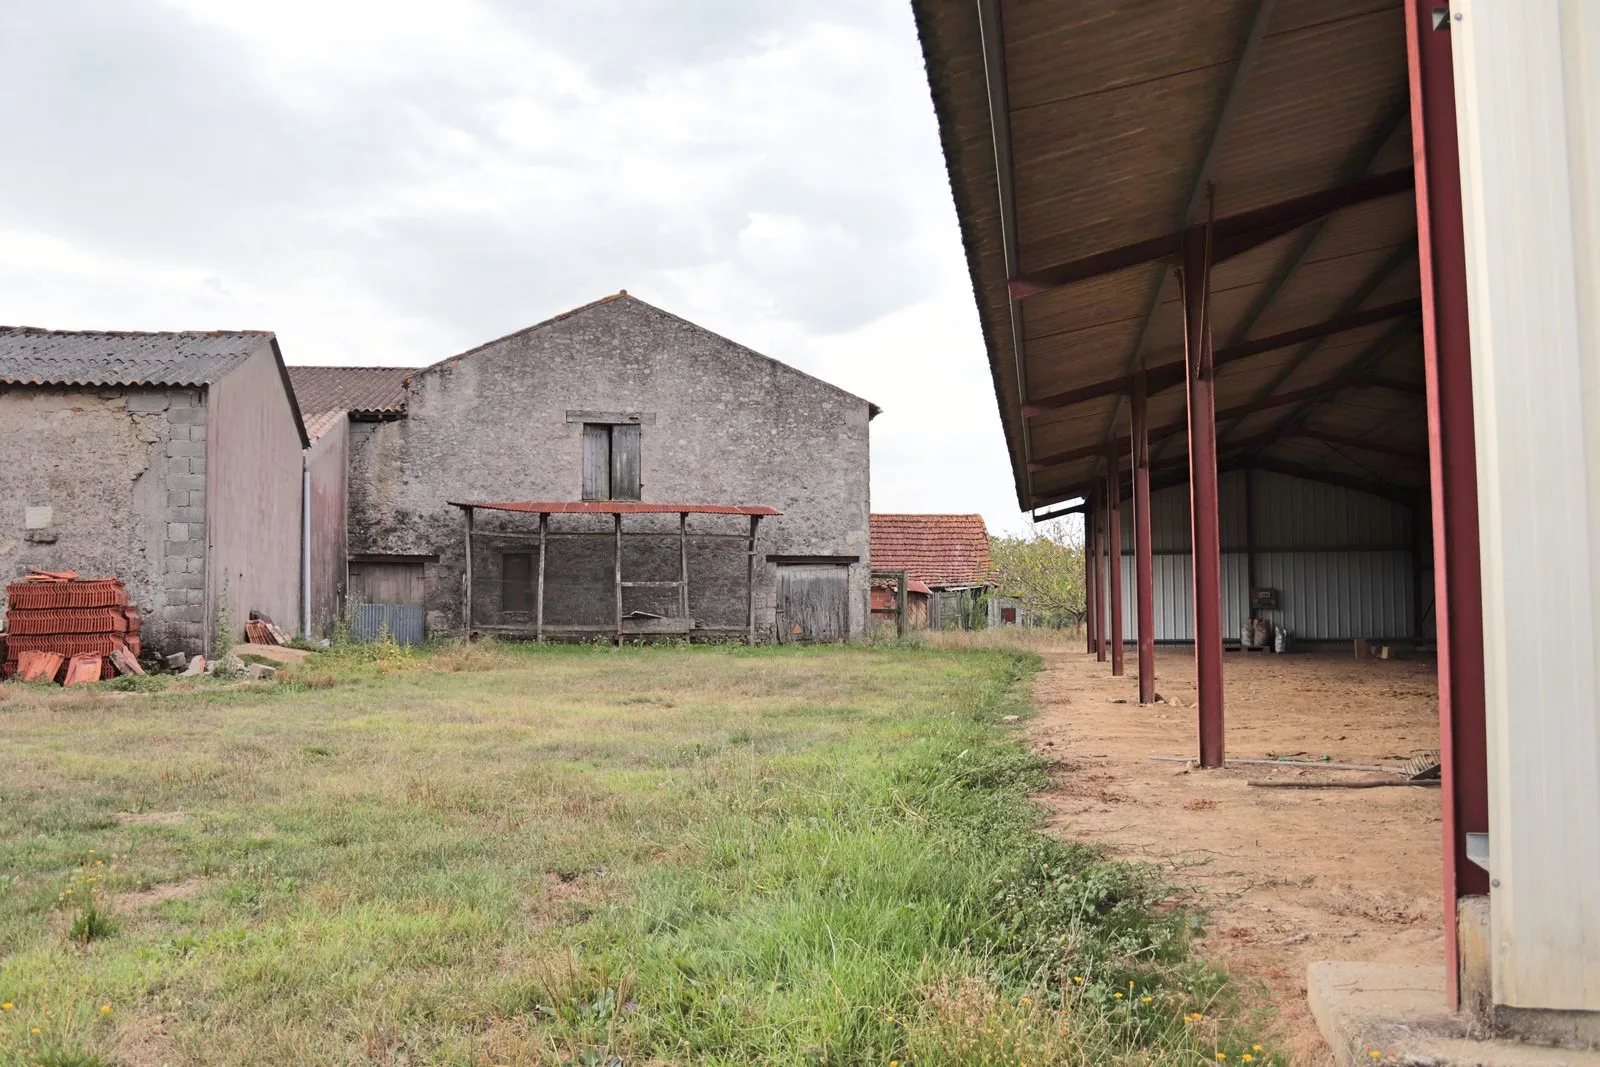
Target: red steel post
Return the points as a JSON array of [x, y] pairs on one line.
[[1143, 570], [1447, 361], [1101, 594], [1091, 590], [1205, 529], [1114, 553]]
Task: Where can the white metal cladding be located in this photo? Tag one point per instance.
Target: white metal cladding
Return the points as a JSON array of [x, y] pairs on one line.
[[1528, 111], [1173, 599], [1292, 513], [1340, 559]]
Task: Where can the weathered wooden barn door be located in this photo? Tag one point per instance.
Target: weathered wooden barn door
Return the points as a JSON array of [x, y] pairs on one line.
[[813, 602], [390, 596]]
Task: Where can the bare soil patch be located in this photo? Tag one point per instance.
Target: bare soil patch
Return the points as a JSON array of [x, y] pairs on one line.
[[1288, 876], [144, 898], [158, 818]]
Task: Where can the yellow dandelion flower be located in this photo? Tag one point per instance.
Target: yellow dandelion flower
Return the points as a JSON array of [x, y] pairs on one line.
[[36, 1029], [1198, 1016], [7, 1006], [1248, 1058], [105, 1009], [1255, 1048], [894, 1063], [1027, 1000], [1078, 979], [1117, 995], [1375, 1054], [1146, 1000], [888, 1018], [1222, 1056]]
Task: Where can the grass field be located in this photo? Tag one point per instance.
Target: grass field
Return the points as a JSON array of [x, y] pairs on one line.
[[530, 855]]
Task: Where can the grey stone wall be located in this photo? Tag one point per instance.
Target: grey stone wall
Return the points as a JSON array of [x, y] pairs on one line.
[[722, 425], [110, 482]]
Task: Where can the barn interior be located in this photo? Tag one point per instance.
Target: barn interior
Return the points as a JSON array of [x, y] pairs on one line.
[[1202, 242]]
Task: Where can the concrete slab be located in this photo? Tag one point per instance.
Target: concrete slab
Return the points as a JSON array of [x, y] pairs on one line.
[[1398, 1012]]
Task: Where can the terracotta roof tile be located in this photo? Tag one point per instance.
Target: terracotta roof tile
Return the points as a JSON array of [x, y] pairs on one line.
[[939, 550], [363, 390]]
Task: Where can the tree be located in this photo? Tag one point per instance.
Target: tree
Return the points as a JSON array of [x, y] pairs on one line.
[[1043, 571]]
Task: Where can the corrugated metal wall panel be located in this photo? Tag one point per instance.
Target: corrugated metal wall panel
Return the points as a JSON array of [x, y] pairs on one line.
[[1293, 513], [1340, 559], [1329, 595], [1174, 585]]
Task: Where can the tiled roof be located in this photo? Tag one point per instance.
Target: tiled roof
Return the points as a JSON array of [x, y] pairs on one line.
[[364, 390], [940, 550], [317, 425], [30, 356]]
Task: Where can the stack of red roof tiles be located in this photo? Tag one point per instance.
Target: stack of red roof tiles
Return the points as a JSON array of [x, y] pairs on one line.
[[70, 616]]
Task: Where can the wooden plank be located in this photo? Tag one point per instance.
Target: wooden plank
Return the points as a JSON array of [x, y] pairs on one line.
[[596, 462], [626, 462], [544, 526], [813, 602]]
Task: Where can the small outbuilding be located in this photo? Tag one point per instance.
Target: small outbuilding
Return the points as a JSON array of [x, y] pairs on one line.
[[948, 555], [171, 461]]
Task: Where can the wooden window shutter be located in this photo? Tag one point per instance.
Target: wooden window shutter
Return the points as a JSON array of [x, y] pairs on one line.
[[596, 461], [625, 462]]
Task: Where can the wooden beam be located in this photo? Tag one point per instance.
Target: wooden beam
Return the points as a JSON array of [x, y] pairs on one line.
[[544, 533], [1232, 236], [1169, 375], [466, 596]]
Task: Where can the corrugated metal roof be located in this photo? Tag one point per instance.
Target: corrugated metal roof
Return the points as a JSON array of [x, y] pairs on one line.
[[1084, 127], [32, 356], [940, 550], [363, 390], [614, 507]]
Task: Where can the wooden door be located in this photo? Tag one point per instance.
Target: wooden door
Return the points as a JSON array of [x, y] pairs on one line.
[[813, 602], [387, 583]]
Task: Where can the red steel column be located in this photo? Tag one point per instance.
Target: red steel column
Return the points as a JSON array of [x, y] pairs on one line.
[[1102, 599], [1205, 529], [1091, 578], [1114, 553], [1143, 571], [1447, 359]]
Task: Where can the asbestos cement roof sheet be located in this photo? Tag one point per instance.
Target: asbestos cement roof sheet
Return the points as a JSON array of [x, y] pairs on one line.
[[31, 356]]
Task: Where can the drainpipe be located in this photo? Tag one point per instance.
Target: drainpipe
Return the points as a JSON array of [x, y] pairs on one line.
[[305, 550]]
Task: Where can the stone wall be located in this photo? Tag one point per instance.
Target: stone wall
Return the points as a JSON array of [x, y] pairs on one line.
[[110, 482], [721, 424]]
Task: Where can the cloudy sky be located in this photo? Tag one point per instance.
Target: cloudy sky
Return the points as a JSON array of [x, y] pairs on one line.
[[393, 181]]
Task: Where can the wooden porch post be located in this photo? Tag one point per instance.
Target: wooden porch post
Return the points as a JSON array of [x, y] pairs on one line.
[[750, 584], [683, 568], [618, 527], [466, 596], [538, 620]]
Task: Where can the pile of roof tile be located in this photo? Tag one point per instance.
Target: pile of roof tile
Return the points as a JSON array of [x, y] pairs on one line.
[[57, 621]]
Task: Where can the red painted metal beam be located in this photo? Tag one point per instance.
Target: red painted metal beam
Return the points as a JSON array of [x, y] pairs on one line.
[[1168, 375], [1205, 532], [1231, 236], [1143, 569], [1364, 443], [1102, 595], [1114, 554], [1447, 359], [1091, 577], [1252, 407]]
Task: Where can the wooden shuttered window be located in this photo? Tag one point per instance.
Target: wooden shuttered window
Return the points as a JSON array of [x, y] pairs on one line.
[[611, 461], [625, 462]]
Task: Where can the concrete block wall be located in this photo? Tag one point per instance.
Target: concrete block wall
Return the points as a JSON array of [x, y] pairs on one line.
[[110, 482]]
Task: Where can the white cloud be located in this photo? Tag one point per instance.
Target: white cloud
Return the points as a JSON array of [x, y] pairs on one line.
[[396, 180]]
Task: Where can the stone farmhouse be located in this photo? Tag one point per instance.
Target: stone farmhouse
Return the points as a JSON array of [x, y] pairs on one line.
[[615, 470]]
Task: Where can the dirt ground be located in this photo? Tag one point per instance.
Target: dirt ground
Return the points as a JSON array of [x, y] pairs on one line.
[[1288, 876]]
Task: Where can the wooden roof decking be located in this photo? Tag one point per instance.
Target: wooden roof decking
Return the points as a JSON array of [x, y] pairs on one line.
[[1073, 129]]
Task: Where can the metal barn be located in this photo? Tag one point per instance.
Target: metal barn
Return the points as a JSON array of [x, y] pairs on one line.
[[1301, 296]]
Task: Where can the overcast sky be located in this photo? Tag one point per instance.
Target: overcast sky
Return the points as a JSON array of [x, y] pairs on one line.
[[393, 182]]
